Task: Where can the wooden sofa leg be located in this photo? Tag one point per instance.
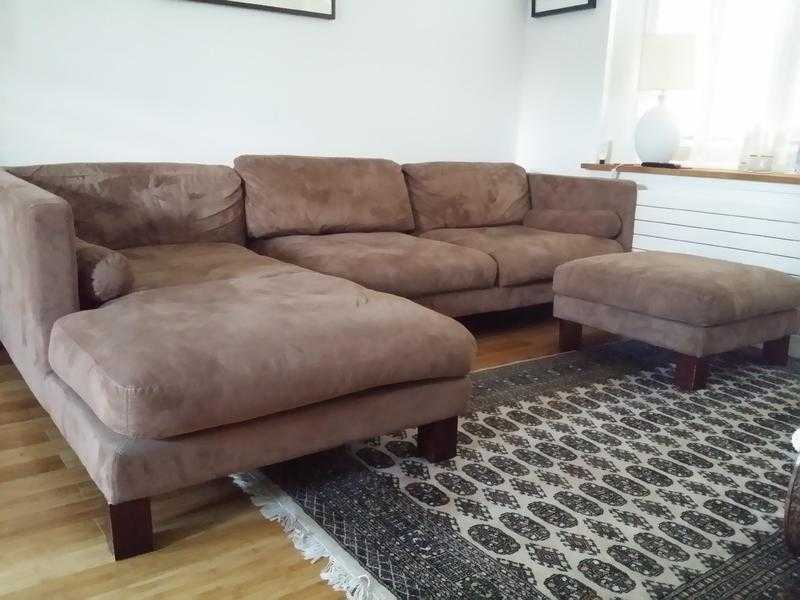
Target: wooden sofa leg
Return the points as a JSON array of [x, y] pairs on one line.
[[130, 528], [437, 441], [569, 335], [791, 521], [776, 352], [691, 373]]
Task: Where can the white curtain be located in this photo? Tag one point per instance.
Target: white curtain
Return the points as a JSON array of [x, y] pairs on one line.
[[748, 76]]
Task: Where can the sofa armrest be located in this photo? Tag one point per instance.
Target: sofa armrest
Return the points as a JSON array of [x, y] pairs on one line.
[[38, 275], [561, 192]]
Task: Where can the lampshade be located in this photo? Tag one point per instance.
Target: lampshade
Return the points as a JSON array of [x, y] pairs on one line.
[[667, 62]]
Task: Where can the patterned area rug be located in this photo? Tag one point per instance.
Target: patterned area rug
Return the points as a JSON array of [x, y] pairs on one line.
[[582, 476]]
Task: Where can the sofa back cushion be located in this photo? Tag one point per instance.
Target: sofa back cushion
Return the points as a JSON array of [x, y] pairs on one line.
[[309, 195], [458, 195], [121, 205]]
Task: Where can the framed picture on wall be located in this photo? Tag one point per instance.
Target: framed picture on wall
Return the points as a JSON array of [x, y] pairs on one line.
[[545, 8], [322, 9]]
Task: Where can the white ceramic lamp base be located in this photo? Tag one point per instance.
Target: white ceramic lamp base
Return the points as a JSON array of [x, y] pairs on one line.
[[657, 135]]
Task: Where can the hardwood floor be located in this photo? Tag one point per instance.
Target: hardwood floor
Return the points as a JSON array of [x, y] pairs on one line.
[[212, 542]]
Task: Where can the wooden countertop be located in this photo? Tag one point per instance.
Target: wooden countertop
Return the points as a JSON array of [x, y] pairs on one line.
[[766, 177]]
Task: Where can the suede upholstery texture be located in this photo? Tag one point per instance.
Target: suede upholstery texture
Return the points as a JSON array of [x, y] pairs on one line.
[[449, 195], [125, 469], [587, 193], [38, 273], [472, 302], [689, 289], [309, 195], [597, 223], [390, 262], [103, 274], [174, 360], [524, 254], [120, 205], [674, 335], [182, 264], [223, 360]]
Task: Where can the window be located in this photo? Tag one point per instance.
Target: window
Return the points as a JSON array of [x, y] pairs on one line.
[[747, 56]]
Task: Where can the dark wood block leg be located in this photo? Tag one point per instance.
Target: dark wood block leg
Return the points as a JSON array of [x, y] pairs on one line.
[[130, 528], [691, 373], [569, 335], [791, 520], [437, 441], [776, 352]]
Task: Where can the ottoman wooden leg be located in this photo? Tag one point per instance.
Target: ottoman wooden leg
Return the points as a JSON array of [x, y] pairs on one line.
[[776, 352], [791, 521], [130, 528], [437, 441], [569, 335], [691, 372]]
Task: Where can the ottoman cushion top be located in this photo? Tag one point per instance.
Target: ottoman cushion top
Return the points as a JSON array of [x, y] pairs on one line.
[[689, 289], [168, 361]]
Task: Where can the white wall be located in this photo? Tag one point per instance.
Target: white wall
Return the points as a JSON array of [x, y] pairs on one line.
[[561, 102], [187, 81]]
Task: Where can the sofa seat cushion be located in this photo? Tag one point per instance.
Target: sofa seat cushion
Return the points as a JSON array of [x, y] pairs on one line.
[[179, 264], [310, 195], [164, 362], [388, 262], [524, 254], [689, 289], [453, 194]]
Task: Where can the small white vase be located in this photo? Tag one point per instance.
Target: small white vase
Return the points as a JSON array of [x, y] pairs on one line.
[[657, 135]]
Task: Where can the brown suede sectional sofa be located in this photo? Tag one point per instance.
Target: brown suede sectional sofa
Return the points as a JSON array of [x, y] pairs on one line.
[[168, 353]]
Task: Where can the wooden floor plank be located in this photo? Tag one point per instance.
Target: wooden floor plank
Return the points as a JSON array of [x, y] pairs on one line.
[[40, 423], [8, 372], [21, 415], [55, 501], [17, 400], [41, 483], [20, 439], [27, 453], [33, 467], [211, 541]]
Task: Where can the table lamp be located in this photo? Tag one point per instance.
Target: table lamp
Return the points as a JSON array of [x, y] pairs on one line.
[[667, 64]]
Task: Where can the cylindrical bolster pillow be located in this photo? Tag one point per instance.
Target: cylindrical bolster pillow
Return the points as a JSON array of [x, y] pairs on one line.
[[597, 223], [103, 274]]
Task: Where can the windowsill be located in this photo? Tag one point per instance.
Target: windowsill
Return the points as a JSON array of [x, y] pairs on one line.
[[766, 177]]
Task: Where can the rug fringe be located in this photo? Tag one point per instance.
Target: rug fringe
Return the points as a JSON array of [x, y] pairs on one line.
[[342, 572]]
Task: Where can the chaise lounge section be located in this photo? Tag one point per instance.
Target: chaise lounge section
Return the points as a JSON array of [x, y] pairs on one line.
[[219, 360]]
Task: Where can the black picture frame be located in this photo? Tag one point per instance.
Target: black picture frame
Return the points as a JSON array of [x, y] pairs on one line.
[[579, 5], [265, 6]]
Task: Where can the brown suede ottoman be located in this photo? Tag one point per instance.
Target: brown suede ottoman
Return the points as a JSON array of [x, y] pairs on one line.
[[695, 306]]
